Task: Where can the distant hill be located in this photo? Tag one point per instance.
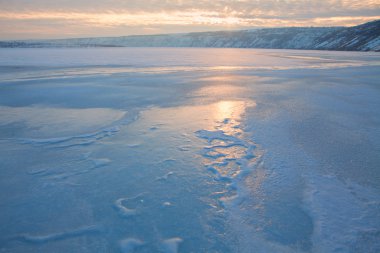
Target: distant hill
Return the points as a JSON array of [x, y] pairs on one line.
[[365, 37]]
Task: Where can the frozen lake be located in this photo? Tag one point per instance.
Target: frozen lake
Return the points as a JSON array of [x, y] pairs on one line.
[[189, 150]]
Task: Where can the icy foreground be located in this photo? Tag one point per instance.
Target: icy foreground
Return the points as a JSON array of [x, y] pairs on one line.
[[189, 150]]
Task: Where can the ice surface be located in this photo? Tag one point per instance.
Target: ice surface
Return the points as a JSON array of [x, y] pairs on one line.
[[58, 236], [129, 245], [189, 150], [171, 245]]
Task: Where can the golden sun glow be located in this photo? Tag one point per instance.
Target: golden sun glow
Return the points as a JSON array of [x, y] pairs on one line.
[[140, 18], [229, 109], [112, 19], [95, 18]]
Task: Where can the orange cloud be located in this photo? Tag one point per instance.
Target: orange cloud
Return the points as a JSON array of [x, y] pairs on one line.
[[78, 18], [113, 19]]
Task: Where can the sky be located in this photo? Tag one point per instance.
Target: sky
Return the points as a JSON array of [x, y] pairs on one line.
[[42, 19]]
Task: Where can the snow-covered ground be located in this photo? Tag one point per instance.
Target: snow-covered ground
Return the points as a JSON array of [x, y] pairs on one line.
[[189, 150], [365, 37]]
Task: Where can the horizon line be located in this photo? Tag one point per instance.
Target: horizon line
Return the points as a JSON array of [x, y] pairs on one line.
[[178, 33]]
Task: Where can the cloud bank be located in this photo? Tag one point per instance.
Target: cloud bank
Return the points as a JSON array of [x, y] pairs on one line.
[[21, 19]]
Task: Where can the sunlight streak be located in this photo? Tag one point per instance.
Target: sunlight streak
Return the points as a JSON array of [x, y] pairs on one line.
[[114, 19]]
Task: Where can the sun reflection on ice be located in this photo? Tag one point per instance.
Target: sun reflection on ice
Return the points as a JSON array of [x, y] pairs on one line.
[[226, 109], [216, 113], [227, 115], [229, 149]]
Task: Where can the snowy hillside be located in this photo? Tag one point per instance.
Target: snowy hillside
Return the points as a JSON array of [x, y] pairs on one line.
[[364, 37]]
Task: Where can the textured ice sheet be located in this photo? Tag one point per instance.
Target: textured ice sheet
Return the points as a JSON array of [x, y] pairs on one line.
[[189, 150], [58, 123]]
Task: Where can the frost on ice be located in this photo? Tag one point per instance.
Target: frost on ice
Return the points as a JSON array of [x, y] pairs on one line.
[[189, 150]]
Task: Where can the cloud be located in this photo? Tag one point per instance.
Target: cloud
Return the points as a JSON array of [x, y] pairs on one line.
[[118, 17], [291, 7]]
